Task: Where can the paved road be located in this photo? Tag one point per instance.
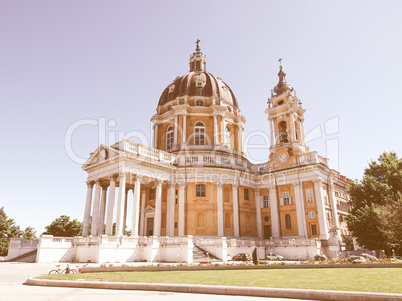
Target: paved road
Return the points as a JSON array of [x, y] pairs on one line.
[[14, 274]]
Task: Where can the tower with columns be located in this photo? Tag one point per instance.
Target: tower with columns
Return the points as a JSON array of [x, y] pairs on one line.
[[196, 180]]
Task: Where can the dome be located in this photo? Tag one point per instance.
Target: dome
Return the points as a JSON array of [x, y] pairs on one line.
[[198, 82]]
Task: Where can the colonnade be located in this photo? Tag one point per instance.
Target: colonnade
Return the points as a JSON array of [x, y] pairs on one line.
[[239, 125], [103, 204]]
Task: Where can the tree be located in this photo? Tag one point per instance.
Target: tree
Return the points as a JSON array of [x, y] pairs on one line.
[[8, 230], [64, 227], [376, 216], [29, 233]]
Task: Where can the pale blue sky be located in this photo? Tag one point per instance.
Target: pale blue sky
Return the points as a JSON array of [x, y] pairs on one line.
[[62, 61]]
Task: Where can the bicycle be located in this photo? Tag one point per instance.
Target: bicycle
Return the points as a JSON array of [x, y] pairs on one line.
[[67, 270]]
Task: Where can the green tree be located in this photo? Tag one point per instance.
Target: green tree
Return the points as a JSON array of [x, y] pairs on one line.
[[8, 230], [64, 227], [29, 233], [376, 216], [348, 240]]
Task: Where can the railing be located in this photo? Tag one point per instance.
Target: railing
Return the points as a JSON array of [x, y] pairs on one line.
[[311, 158], [145, 152], [221, 160], [23, 243]]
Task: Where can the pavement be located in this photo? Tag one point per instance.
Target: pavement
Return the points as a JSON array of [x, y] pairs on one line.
[[13, 275]]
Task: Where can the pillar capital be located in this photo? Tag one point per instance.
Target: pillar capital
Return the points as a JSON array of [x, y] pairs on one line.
[[171, 184], [318, 181], [137, 177], [182, 186], [90, 183], [122, 174], [271, 187], [296, 184], [257, 191], [112, 177], [235, 185]]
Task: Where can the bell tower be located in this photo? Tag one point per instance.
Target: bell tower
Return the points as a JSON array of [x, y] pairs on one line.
[[286, 123]]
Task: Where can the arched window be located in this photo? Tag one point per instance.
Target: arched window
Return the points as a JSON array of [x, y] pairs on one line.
[[228, 137], [169, 138], [199, 133], [288, 222], [283, 134]]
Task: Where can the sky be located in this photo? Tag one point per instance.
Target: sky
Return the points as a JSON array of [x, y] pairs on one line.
[[74, 74]]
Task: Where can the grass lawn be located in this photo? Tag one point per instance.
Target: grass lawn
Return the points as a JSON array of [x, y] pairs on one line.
[[384, 280]]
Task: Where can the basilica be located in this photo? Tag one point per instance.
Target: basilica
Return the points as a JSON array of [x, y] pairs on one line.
[[195, 188]]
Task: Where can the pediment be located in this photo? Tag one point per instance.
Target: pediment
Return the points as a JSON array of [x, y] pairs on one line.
[[149, 208], [101, 154]]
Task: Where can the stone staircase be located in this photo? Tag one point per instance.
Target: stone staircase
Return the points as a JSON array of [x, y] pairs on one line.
[[27, 257], [200, 256]]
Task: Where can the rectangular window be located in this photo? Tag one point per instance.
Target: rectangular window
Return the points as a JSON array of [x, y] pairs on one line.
[[175, 225], [313, 229], [246, 196], [310, 195], [177, 192], [265, 201], [199, 136], [169, 140], [200, 190], [152, 193], [286, 199]]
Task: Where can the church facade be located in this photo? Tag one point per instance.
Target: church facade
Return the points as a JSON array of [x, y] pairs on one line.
[[195, 186]]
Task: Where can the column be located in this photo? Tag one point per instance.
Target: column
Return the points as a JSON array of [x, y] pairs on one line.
[[143, 200], [101, 222], [87, 211], [242, 138], [271, 132], [158, 209], [95, 211], [181, 209], [156, 125], [120, 204], [273, 203], [335, 218], [235, 210], [239, 137], [219, 208], [136, 206], [258, 208], [222, 129], [302, 131], [215, 128], [322, 218], [125, 212], [170, 209], [184, 130], [292, 127], [300, 211], [110, 205], [176, 125]]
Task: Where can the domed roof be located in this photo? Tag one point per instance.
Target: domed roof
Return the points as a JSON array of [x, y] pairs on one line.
[[198, 82]]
